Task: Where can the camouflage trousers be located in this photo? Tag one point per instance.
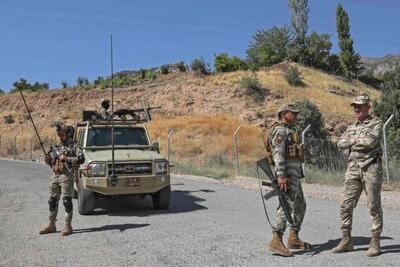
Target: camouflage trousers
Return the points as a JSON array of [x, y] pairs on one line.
[[297, 205], [356, 180], [60, 183]]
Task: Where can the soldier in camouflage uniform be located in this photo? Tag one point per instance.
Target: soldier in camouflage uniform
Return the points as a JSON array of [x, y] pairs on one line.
[[286, 153], [103, 112], [364, 172], [62, 180]]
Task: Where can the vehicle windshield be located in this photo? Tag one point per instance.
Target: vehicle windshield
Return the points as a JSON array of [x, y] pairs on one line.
[[123, 136]]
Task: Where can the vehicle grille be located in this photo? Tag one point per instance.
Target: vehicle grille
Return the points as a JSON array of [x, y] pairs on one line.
[[131, 169]]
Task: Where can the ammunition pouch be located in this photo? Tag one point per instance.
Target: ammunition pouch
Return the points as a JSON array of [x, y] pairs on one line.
[[295, 151]]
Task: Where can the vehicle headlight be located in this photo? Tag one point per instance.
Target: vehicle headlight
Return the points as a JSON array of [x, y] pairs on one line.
[[161, 167], [96, 169]]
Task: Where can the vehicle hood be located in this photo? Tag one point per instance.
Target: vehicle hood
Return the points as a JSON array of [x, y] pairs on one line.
[[122, 155]]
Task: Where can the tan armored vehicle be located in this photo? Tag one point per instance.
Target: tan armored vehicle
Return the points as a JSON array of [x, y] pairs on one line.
[[136, 163]]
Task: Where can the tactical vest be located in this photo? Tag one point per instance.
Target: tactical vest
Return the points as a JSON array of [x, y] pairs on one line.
[[293, 148]]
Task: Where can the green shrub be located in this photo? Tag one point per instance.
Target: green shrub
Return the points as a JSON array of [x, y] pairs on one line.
[[150, 75], [181, 66], [142, 74], [64, 84], [23, 85], [164, 69], [200, 66], [224, 63], [391, 81], [82, 81], [252, 87], [9, 119], [1, 92], [293, 76]]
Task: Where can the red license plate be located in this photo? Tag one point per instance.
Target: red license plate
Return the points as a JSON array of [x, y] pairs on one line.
[[132, 181]]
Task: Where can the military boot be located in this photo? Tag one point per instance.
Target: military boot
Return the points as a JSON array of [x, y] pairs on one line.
[[67, 230], [346, 244], [49, 228], [294, 242], [374, 245], [276, 245]]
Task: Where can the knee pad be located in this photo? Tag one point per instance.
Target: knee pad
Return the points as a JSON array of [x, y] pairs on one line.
[[67, 201], [53, 203]]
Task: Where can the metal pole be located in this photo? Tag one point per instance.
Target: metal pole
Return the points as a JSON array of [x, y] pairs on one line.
[[385, 147], [236, 150], [169, 143], [0, 143], [31, 147], [303, 140], [15, 146]]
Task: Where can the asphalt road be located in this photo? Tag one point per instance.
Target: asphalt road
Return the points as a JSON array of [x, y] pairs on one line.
[[207, 224]]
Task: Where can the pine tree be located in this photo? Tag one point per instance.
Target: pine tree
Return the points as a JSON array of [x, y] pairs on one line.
[[349, 60], [299, 21]]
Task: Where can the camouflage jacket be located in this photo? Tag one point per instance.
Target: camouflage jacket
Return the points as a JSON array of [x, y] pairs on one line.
[[287, 152], [74, 154], [362, 140], [104, 114]]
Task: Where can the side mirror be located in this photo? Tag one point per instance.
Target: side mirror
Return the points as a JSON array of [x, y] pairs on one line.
[[156, 147]]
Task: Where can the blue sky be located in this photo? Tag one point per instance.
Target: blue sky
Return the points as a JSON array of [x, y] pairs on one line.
[[50, 41]]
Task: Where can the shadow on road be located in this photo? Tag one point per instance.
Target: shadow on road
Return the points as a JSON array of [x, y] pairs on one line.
[[181, 201], [120, 227], [357, 241]]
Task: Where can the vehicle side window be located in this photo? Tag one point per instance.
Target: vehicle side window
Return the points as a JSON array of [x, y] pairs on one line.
[[81, 135]]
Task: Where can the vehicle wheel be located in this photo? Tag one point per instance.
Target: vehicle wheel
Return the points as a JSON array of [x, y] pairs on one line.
[[162, 198], [85, 201]]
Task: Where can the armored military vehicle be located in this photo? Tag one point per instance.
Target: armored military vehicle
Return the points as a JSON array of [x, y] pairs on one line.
[[128, 165]]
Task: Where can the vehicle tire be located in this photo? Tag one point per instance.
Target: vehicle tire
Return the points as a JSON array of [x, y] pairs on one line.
[[85, 201], [162, 198]]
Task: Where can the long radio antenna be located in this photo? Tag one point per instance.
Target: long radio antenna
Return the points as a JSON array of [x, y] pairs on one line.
[[113, 177]]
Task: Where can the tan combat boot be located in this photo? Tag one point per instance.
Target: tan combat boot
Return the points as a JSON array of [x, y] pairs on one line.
[[276, 245], [294, 242], [49, 228], [346, 244], [67, 230], [374, 245]]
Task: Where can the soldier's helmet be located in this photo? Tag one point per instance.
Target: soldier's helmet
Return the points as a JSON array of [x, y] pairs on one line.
[[360, 100], [105, 103], [287, 107]]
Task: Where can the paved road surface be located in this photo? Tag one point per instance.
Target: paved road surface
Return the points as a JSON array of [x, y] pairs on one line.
[[207, 225]]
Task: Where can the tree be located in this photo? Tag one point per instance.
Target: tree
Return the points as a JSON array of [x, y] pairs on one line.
[[268, 47], [317, 51], [224, 63], [349, 60], [1, 92], [82, 81], [391, 81], [299, 22], [200, 66], [23, 85], [64, 84]]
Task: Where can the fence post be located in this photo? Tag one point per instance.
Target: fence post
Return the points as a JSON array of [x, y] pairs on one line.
[[15, 146], [236, 150], [303, 139], [0, 143], [31, 147], [385, 147], [169, 143]]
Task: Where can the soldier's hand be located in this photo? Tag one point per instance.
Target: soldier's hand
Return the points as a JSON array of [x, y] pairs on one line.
[[47, 158], [283, 183], [63, 157]]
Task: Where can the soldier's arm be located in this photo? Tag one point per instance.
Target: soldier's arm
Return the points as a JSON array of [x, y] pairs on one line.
[[279, 152], [371, 140], [346, 140]]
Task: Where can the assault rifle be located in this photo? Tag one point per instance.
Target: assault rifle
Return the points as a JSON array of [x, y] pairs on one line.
[[55, 155], [276, 191]]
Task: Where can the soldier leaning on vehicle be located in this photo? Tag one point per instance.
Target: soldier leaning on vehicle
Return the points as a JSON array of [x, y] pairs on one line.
[[364, 172], [286, 153], [62, 180]]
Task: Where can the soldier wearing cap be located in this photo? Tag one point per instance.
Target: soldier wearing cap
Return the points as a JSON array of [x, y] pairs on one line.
[[62, 180], [364, 172], [103, 112], [285, 152]]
